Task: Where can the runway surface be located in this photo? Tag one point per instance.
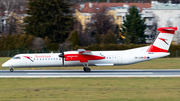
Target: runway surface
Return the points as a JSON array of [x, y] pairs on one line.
[[93, 73]]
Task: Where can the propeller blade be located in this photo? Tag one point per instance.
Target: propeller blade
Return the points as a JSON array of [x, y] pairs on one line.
[[61, 50], [63, 61], [62, 54]]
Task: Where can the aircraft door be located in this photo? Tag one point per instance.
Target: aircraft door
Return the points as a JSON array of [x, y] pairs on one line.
[[28, 62], [119, 59], [23, 61]]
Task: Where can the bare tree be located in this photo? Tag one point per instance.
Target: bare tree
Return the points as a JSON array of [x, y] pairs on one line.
[[13, 10], [86, 39], [168, 24], [77, 26], [38, 44], [128, 1], [102, 23], [178, 36], [154, 26], [13, 5]]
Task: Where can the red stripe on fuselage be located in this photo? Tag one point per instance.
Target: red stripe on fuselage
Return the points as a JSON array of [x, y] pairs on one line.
[[153, 48], [82, 58]]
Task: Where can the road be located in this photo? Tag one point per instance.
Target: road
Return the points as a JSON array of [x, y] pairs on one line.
[[93, 73]]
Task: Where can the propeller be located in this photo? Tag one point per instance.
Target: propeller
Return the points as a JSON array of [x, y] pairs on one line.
[[62, 54]]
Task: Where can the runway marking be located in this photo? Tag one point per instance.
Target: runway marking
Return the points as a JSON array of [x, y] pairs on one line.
[[92, 76], [95, 73], [91, 73]]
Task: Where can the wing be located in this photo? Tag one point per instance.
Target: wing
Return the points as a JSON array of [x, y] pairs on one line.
[[84, 52], [83, 56]]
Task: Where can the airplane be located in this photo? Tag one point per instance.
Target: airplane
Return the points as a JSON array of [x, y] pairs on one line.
[[81, 57]]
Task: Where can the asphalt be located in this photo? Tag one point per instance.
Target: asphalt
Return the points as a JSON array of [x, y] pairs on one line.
[[93, 73]]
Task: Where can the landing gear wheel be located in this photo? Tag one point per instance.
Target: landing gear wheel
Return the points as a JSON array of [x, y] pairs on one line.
[[86, 69], [11, 70]]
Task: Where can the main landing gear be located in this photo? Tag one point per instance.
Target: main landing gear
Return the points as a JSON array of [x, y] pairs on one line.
[[11, 70], [86, 68]]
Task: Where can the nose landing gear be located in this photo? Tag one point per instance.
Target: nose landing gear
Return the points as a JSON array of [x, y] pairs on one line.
[[11, 70]]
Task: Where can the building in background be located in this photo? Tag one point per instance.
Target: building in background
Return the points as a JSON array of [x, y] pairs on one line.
[[12, 13], [84, 12], [162, 15]]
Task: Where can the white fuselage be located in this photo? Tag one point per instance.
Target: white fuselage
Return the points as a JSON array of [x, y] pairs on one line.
[[112, 58]]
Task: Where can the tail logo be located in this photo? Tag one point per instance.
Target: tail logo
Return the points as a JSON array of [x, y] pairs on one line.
[[165, 40]]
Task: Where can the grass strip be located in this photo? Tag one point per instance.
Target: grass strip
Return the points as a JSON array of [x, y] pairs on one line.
[[90, 89]]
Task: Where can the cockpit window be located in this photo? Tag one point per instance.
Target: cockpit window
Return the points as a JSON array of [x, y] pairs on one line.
[[16, 57]]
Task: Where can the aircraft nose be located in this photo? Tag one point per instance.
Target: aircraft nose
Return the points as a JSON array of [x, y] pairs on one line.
[[5, 64]]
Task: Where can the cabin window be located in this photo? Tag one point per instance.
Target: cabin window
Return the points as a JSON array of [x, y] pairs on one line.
[[16, 58]]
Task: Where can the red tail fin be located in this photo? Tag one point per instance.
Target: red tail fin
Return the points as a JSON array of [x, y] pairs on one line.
[[163, 40]]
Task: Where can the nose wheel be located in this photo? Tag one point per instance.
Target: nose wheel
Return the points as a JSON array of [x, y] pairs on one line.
[[86, 68], [11, 70]]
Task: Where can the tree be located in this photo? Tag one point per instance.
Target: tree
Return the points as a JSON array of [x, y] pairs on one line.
[[16, 41], [98, 38], [38, 44], [102, 23], [169, 24], [86, 39], [49, 18], [110, 38], [77, 26], [155, 26], [135, 26], [11, 22], [73, 38]]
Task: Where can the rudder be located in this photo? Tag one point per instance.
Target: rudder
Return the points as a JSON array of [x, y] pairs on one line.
[[163, 40]]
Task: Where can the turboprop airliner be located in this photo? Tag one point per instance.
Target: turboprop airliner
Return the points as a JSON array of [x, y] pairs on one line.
[[159, 48]]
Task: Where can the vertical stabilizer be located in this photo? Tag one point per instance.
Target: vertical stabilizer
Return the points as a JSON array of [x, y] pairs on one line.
[[163, 40]]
